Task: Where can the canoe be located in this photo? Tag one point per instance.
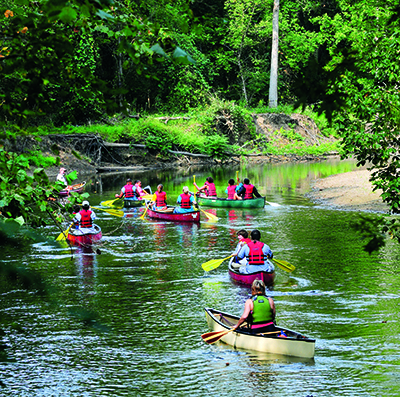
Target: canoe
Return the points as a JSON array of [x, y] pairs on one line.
[[78, 188], [168, 216], [225, 203], [267, 277], [76, 238], [295, 345], [133, 203]]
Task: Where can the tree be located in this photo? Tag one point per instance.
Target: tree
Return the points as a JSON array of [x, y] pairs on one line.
[[360, 93], [273, 85]]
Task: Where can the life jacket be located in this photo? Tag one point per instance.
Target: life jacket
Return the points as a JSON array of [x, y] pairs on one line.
[[262, 312], [246, 240], [256, 255], [86, 220], [129, 192], [161, 197], [249, 191], [231, 191], [211, 191], [185, 200]]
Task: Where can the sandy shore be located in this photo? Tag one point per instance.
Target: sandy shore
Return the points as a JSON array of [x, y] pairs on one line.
[[351, 191]]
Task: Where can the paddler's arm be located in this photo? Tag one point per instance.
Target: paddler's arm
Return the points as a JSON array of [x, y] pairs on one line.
[[248, 307]]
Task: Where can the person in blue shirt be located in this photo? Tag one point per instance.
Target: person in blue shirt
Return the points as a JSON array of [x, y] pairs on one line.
[[185, 201], [257, 254]]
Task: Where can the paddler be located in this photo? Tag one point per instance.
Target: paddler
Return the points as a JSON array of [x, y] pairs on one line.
[[159, 199], [142, 192], [259, 311], [61, 176], [208, 188], [129, 191], [186, 202], [231, 191], [85, 218], [248, 191], [257, 255]]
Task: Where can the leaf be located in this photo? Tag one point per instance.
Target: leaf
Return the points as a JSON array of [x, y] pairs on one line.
[[67, 15], [182, 57], [158, 50]]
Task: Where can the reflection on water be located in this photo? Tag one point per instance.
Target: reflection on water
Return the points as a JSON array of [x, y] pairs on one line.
[[148, 286]]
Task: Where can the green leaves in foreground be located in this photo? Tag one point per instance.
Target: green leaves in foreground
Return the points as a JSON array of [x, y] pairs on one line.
[[375, 230]]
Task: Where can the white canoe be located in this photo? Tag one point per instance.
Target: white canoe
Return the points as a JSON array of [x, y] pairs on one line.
[[295, 344]]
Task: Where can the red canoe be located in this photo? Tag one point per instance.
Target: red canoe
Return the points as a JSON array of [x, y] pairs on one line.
[[267, 277], [168, 216], [76, 238], [78, 188]]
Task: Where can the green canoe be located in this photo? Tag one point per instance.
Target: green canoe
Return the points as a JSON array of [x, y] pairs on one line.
[[225, 203]]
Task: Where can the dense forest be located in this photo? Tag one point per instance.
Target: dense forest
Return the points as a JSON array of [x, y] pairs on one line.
[[65, 63]]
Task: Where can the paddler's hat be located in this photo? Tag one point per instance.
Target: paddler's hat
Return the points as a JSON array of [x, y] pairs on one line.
[[62, 170], [86, 204], [185, 189]]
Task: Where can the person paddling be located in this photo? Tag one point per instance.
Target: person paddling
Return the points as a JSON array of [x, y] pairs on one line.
[[85, 218], [129, 191], [248, 191], [257, 255], [186, 202], [142, 192], [259, 311], [231, 191], [61, 176], [159, 199], [208, 188]]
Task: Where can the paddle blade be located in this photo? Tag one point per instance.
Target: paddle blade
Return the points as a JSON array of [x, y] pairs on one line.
[[211, 217], [109, 203], [213, 263], [212, 337], [111, 211], [286, 266], [63, 236]]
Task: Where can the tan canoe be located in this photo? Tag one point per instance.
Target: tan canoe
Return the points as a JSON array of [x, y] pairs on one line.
[[295, 344]]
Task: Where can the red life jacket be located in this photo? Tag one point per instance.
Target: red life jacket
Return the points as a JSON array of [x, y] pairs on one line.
[[185, 200], [211, 191], [246, 240], [129, 192], [256, 255], [86, 220], [161, 197], [249, 191], [231, 191]]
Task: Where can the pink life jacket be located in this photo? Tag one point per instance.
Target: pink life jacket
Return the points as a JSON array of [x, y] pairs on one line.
[[129, 192], [249, 192], [161, 197], [211, 191], [256, 255], [231, 191], [86, 220], [185, 200]]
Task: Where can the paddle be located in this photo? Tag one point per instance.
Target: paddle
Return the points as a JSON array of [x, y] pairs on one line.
[[214, 263], [286, 266], [144, 213], [212, 337], [64, 234], [211, 217], [110, 203]]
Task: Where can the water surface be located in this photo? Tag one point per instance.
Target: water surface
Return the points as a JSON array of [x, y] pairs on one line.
[[148, 288]]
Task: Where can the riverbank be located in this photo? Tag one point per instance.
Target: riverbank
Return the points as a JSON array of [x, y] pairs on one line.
[[349, 191]]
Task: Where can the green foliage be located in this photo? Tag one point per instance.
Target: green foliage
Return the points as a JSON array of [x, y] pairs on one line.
[[217, 146], [37, 158]]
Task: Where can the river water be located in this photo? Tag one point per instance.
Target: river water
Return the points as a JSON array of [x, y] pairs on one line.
[[145, 283]]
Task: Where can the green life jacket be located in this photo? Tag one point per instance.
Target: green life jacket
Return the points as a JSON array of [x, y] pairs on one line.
[[262, 312]]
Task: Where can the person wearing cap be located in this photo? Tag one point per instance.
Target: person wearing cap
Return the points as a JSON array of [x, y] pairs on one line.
[[185, 201], [61, 176], [85, 218], [257, 255], [129, 191]]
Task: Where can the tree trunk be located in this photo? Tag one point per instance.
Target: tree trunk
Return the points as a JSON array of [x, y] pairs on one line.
[[273, 82]]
